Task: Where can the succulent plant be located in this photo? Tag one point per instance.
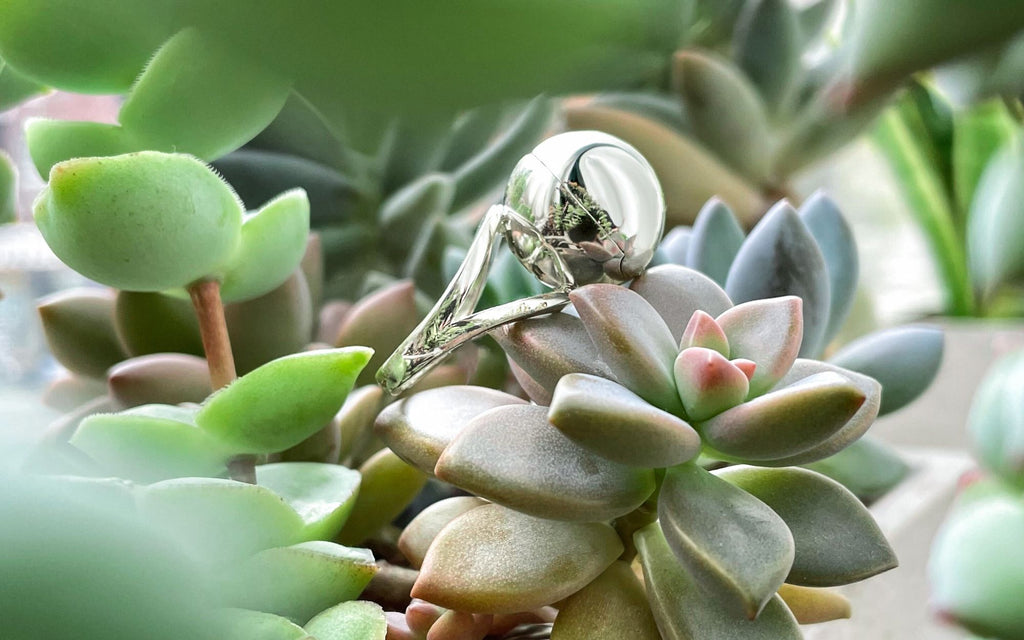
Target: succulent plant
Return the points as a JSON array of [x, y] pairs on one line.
[[8, 189], [630, 391], [976, 573]]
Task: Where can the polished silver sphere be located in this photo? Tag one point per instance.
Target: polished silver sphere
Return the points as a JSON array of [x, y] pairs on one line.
[[584, 207]]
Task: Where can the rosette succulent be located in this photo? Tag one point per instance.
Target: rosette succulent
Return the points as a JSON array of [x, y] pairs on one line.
[[637, 394]]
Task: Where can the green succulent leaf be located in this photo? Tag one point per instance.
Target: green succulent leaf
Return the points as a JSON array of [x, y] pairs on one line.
[[815, 17], [404, 213], [677, 292], [767, 44], [868, 467], [357, 620], [355, 424], [811, 606], [242, 624], [8, 181], [418, 535], [684, 611], [470, 133], [273, 325], [708, 383], [273, 242], [149, 323], [495, 560], [659, 107], [160, 378], [995, 233], [704, 331], [905, 360], [513, 456], [837, 541], [388, 486], [144, 221], [79, 329], [53, 141], [978, 134], [322, 494], [612, 607], [15, 87], [996, 421], [835, 239], [738, 550], [769, 333], [283, 402], [716, 239], [615, 423]]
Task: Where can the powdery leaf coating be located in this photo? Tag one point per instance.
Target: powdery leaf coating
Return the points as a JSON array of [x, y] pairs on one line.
[[388, 486], [283, 402], [677, 292], [837, 540], [513, 456], [164, 378], [419, 427], [732, 544], [495, 560], [769, 332], [811, 606], [615, 423], [79, 329], [612, 607], [826, 223], [703, 331], [420, 533], [707, 383], [357, 620], [143, 221], [322, 494]]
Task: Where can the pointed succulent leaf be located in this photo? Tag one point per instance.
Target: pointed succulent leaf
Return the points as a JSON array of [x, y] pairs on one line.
[[221, 520], [837, 540], [633, 340], [735, 546], [419, 427], [835, 239], [16, 88], [781, 258], [615, 423], [715, 241], [513, 456], [284, 401], [356, 620], [660, 107], [994, 232], [611, 607], [725, 112], [675, 246], [242, 624], [149, 448], [8, 177], [786, 422], [769, 333], [273, 325], [388, 486], [420, 533], [677, 292], [868, 467], [79, 329], [143, 221], [495, 560], [470, 133], [996, 420], [355, 422], [274, 240], [748, 367], [703, 331], [402, 215], [322, 494], [767, 45], [53, 141], [811, 606], [148, 323], [904, 360], [160, 378], [684, 611], [707, 383], [978, 134]]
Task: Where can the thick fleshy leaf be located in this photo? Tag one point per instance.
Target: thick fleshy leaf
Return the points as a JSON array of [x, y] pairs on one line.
[[495, 560], [160, 378], [70, 391], [716, 239], [738, 550], [677, 292], [156, 323], [996, 421], [513, 456], [141, 446], [786, 422], [994, 232], [470, 132], [420, 533], [355, 424], [273, 325], [283, 402], [767, 44], [15, 87], [612, 607], [322, 494], [242, 624], [53, 141], [837, 540], [811, 606], [978, 134], [388, 486], [708, 383], [419, 427], [633, 341], [357, 620], [725, 113], [684, 611], [403, 215], [615, 423], [8, 176], [273, 242], [79, 329], [835, 239], [868, 467], [781, 258], [768, 332], [675, 245], [703, 331], [904, 360]]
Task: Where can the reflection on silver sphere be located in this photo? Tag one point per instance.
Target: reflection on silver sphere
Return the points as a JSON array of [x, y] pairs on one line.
[[585, 207]]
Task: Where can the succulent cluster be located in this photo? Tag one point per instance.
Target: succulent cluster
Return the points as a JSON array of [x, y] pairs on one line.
[[636, 395], [976, 572]]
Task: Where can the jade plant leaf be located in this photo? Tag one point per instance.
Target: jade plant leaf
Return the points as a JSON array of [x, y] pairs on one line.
[[357, 620], [143, 221], [147, 445], [242, 624], [715, 241], [767, 332], [79, 329], [835, 239], [684, 611], [495, 560], [300, 580], [420, 533], [905, 360], [160, 378], [615, 423], [283, 402], [811, 606], [418, 428], [388, 486], [734, 545], [513, 456], [272, 245], [322, 494], [612, 607], [677, 292], [837, 540]]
